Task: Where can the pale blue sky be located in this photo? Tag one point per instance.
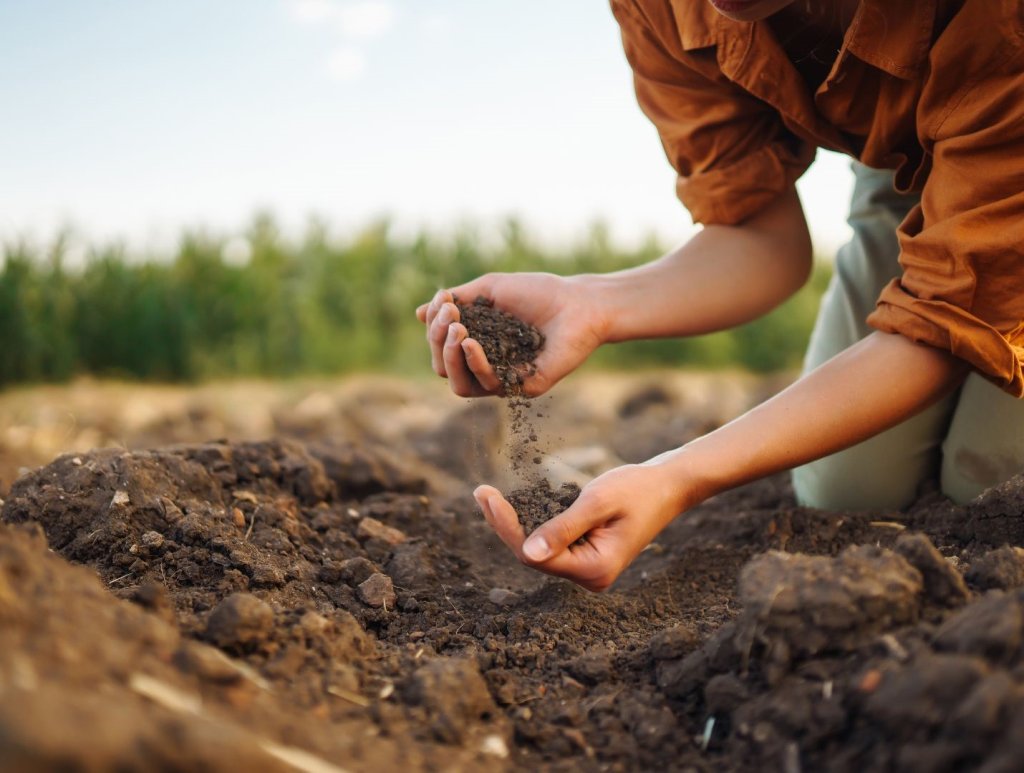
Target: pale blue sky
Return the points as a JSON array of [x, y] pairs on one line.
[[133, 119]]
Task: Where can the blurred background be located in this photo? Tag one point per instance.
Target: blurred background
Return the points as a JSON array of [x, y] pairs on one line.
[[196, 190]]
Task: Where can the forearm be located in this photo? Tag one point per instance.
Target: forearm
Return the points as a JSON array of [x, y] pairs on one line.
[[874, 385], [722, 277]]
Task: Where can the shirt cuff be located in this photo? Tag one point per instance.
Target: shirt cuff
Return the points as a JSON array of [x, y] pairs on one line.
[[728, 195], [996, 356]]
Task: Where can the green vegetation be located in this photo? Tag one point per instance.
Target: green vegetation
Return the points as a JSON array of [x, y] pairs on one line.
[[313, 307]]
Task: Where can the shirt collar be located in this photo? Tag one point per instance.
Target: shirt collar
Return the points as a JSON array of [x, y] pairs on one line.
[[892, 35], [697, 23]]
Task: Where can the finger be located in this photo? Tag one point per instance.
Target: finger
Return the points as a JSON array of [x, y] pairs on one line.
[[584, 565], [504, 520], [581, 565], [481, 494], [535, 384], [469, 292], [440, 298], [552, 538], [421, 312], [481, 369], [437, 334], [538, 382], [551, 359], [460, 378]]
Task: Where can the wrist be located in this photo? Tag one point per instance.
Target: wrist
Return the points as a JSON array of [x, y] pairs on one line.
[[601, 295], [680, 473]]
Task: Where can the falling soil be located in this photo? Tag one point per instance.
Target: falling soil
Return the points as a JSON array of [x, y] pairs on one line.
[[322, 607], [539, 503], [512, 346]]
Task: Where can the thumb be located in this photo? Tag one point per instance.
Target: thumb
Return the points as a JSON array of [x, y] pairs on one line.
[[559, 357], [468, 292], [553, 537]]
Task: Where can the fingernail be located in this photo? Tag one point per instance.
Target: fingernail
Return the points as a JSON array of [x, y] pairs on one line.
[[486, 509], [452, 335], [537, 549]]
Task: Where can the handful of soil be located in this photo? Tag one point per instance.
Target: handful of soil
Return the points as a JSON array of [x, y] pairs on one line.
[[510, 344], [539, 503]]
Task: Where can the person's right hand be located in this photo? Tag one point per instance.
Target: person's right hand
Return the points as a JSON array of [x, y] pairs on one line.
[[562, 308]]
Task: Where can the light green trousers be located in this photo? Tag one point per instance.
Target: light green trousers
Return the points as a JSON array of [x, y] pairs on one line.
[[974, 438]]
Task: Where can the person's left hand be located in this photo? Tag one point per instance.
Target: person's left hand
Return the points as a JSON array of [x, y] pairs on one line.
[[619, 512]]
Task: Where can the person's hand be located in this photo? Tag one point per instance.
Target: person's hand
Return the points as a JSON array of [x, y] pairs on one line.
[[619, 513], [562, 308]]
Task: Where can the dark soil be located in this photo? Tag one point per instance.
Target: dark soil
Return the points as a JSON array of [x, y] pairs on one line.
[[539, 503], [510, 344], [282, 606]]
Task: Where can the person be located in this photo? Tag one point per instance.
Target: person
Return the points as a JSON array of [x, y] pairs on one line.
[[927, 97]]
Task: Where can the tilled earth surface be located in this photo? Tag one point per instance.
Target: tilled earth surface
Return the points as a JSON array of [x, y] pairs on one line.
[[314, 605]]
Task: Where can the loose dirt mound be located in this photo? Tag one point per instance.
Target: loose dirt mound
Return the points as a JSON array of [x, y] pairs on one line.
[[88, 682], [258, 602], [347, 601], [539, 503]]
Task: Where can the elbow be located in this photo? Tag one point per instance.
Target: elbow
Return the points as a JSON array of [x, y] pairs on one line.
[[788, 240], [800, 260]]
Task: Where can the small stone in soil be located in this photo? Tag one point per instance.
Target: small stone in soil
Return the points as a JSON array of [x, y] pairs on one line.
[[503, 597], [377, 591], [539, 503], [371, 528]]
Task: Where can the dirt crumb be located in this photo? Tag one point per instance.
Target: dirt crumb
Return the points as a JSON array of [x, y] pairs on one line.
[[943, 584], [674, 642], [997, 515], [454, 695], [1001, 568], [240, 620], [992, 627]]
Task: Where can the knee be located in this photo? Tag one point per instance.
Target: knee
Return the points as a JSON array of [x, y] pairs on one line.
[[985, 443], [967, 472], [848, 481]]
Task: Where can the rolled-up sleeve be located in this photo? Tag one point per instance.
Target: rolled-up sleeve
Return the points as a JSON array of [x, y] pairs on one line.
[[731, 151], [962, 249]]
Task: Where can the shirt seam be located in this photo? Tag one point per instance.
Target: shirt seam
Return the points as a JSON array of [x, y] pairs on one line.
[[1005, 54], [1016, 20]]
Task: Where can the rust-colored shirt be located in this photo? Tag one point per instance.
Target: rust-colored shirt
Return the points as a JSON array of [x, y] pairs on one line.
[[933, 89]]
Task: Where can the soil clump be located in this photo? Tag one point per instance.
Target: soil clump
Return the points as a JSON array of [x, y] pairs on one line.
[[510, 344]]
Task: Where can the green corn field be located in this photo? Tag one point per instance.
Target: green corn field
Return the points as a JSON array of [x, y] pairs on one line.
[[314, 305]]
